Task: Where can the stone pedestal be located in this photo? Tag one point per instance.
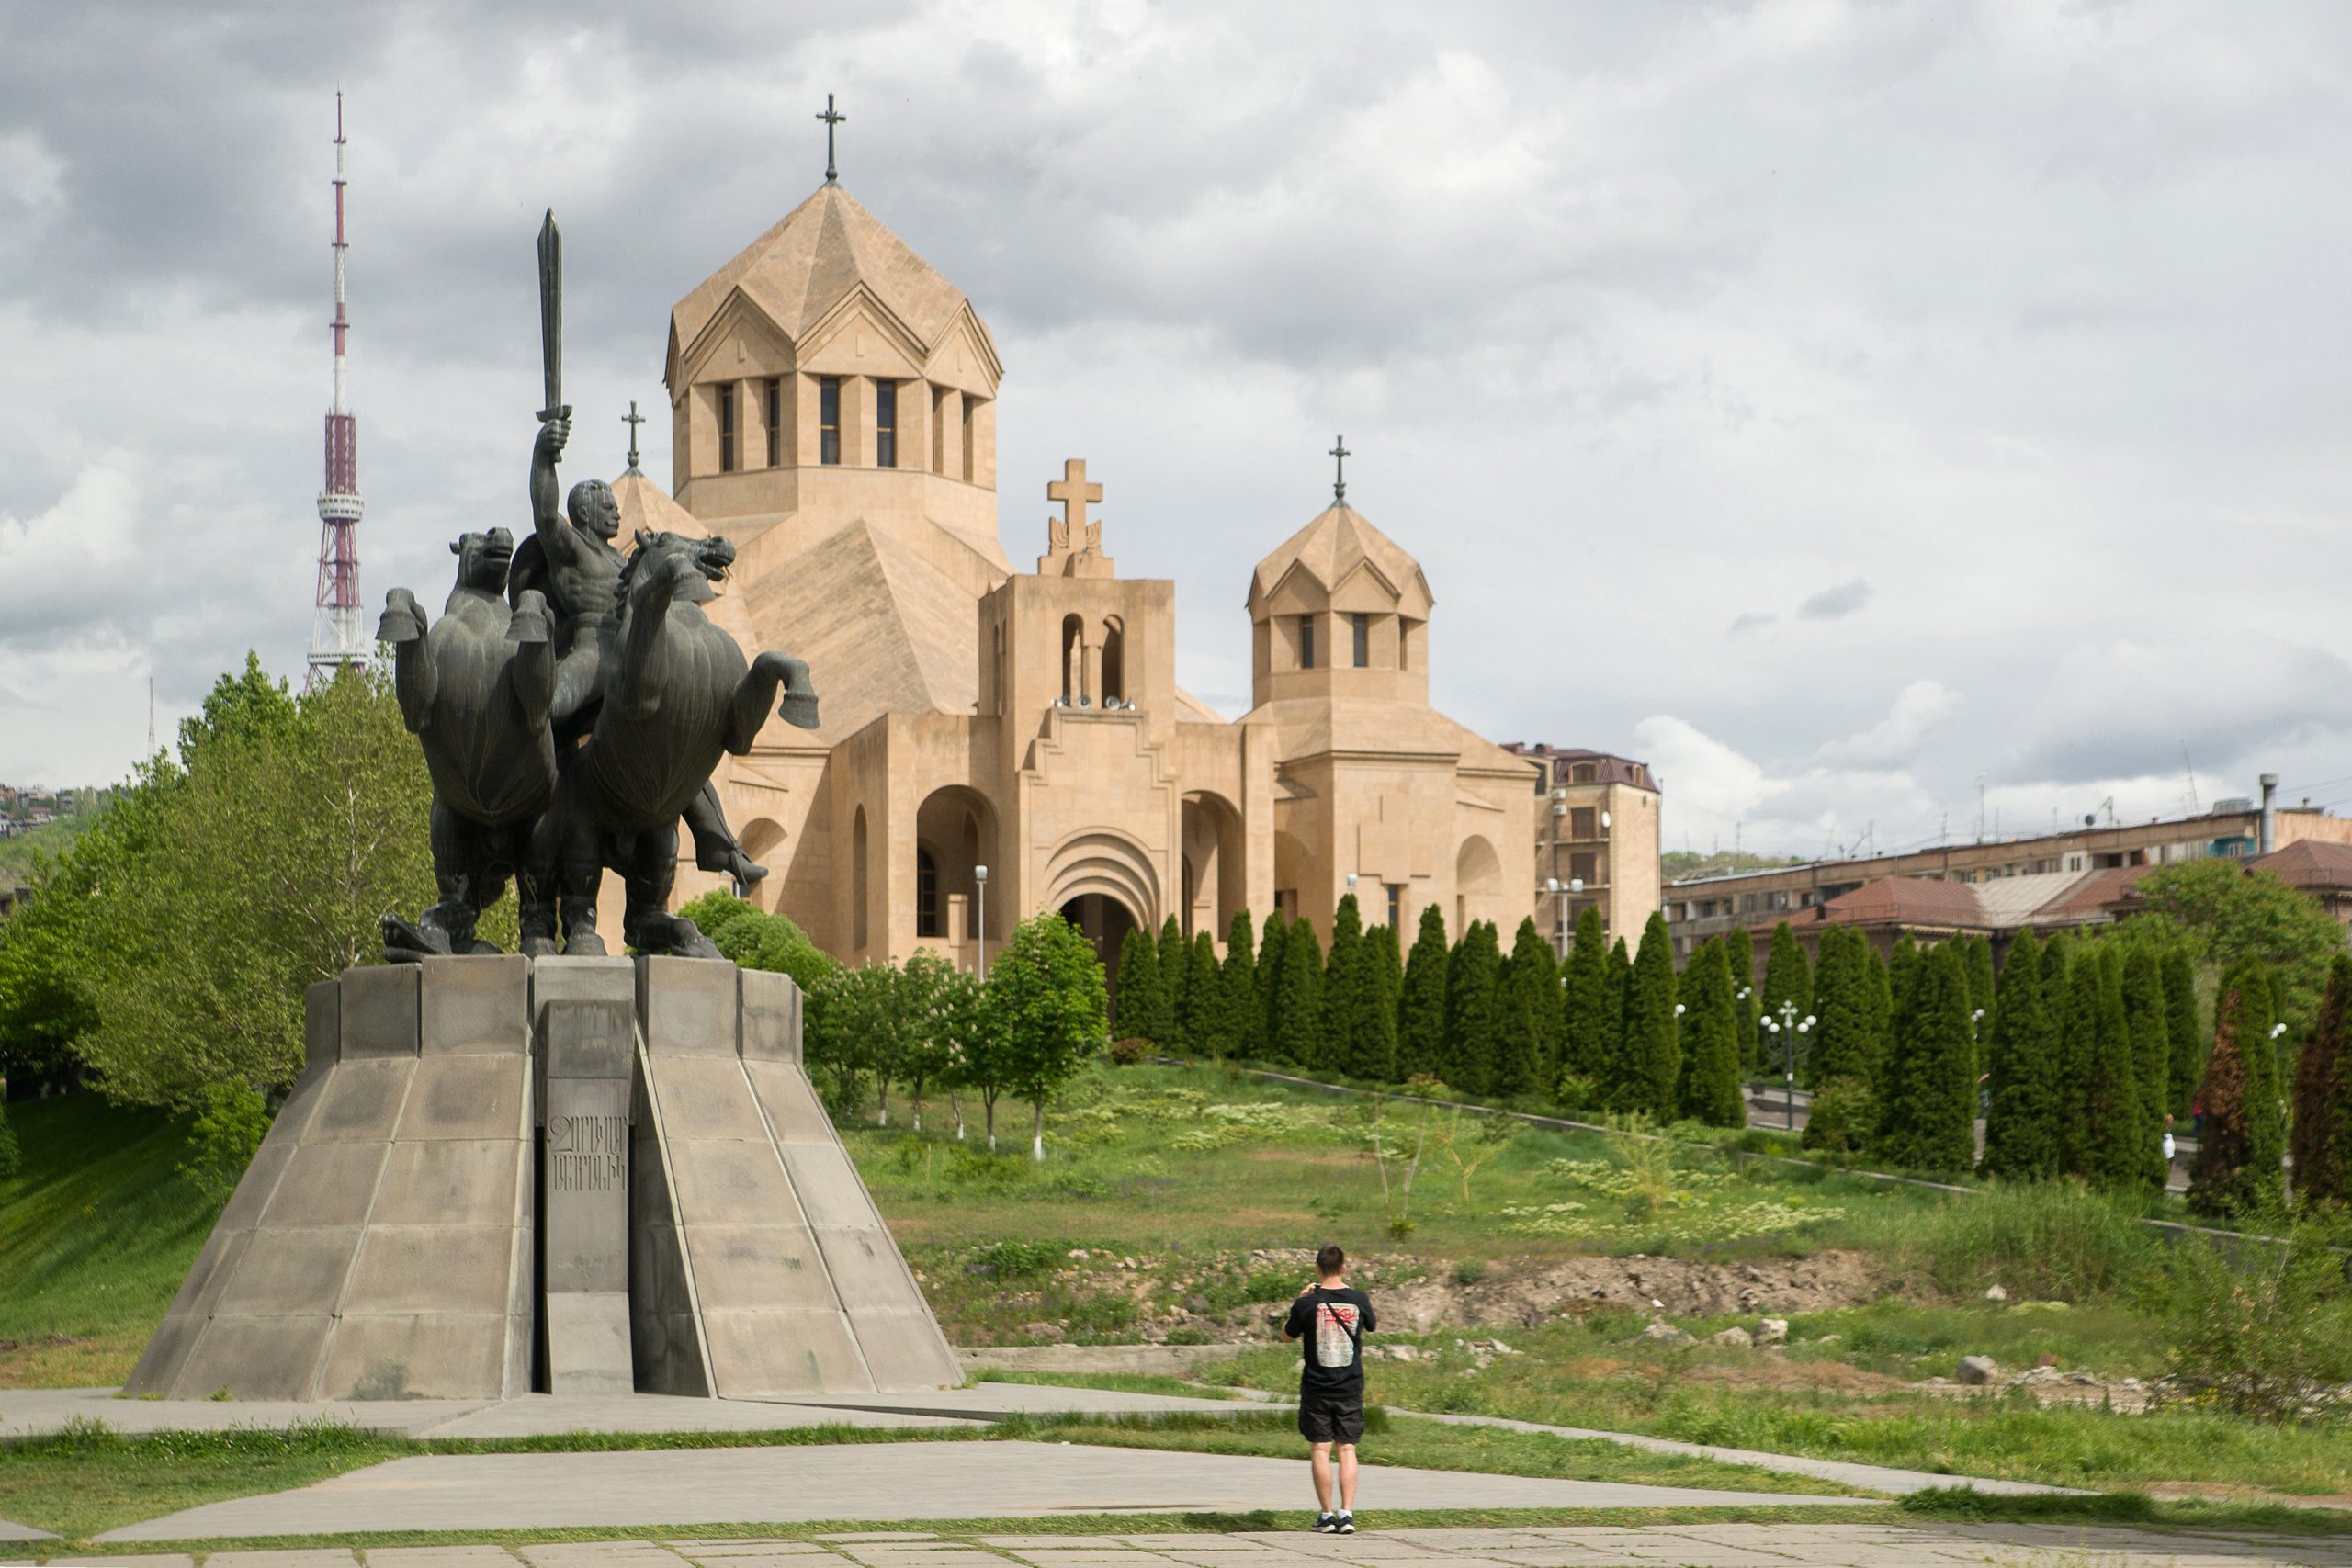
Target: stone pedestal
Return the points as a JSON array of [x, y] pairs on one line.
[[496, 1174]]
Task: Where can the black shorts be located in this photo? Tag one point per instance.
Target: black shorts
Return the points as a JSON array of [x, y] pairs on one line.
[[1322, 1419]]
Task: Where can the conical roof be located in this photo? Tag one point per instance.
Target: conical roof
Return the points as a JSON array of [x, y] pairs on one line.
[[1331, 548], [813, 259]]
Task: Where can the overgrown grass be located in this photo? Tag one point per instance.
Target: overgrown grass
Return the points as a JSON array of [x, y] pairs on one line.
[[97, 1228], [1121, 1382]]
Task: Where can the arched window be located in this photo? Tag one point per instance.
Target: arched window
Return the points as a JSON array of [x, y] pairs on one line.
[[1073, 681], [857, 886], [927, 921], [1114, 661]]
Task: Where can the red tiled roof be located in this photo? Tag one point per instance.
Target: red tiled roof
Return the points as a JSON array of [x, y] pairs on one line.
[[2308, 863], [2096, 894], [1907, 901]]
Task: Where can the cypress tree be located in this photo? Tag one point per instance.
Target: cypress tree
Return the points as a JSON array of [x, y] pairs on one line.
[[2144, 1014], [2111, 1152], [1175, 955], [1276, 932], [1843, 1041], [1976, 948], [1739, 948], [1710, 1087], [1787, 977], [2021, 1126], [1929, 1120], [1420, 1006], [1616, 997], [1204, 1018], [1298, 1025], [1521, 1000], [2183, 1028], [1650, 1067], [1140, 1004], [1376, 1037], [2323, 1122], [1237, 1010], [1902, 972], [1343, 980], [1473, 972], [2266, 1087], [1879, 994], [2236, 1173], [1587, 1040]]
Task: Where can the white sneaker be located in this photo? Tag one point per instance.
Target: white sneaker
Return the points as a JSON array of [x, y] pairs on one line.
[[1346, 1523], [1326, 1524]]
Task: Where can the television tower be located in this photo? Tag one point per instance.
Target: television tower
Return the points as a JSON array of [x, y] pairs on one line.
[[335, 639]]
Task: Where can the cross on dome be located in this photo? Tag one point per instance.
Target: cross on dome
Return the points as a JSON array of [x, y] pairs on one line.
[[1339, 477], [832, 118], [1074, 545], [632, 419]]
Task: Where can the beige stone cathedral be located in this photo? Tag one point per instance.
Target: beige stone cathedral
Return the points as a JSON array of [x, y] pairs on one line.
[[833, 413]]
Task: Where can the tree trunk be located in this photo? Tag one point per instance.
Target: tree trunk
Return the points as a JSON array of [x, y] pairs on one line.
[[989, 1101], [956, 1110], [1037, 1130]]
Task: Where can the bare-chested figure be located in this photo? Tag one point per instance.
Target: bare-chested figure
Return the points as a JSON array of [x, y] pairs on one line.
[[576, 565]]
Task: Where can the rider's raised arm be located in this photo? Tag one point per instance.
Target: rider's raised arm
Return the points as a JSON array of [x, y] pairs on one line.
[[547, 498]]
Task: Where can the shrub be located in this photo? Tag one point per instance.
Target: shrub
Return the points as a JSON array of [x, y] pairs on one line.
[[1012, 1259], [1130, 1050], [1843, 1117], [2049, 1241], [221, 1142], [2262, 1329]]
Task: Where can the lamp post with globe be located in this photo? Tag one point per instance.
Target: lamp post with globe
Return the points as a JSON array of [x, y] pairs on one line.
[[1788, 1027]]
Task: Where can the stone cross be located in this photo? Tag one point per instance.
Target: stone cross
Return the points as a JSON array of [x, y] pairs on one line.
[[632, 419], [832, 118], [1339, 477], [1074, 545]]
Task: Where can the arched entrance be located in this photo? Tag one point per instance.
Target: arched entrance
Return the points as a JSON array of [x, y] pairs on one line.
[[1105, 921], [1216, 880], [1105, 884], [1477, 884], [954, 831]]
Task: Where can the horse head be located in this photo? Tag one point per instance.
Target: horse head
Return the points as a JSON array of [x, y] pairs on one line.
[[483, 560], [683, 564]]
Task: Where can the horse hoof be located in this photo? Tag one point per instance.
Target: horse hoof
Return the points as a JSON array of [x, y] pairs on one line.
[[584, 944], [538, 947]]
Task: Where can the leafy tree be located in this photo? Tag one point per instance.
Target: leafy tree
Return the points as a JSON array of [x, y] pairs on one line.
[[1046, 1007], [2183, 1028], [1269, 985], [1588, 1035], [1709, 1092], [2323, 1120], [1880, 997], [2145, 1021], [759, 941], [1345, 983], [1787, 977], [1929, 1116], [1377, 1038], [1139, 1001], [927, 1044], [1739, 948], [1650, 1065], [853, 1027], [977, 1059], [1298, 1001], [2233, 913], [2021, 1135], [1238, 1008], [2236, 1173], [1522, 1001], [1203, 1015], [1474, 972], [1421, 1006]]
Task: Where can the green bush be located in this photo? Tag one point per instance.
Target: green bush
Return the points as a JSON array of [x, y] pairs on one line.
[[1014, 1260], [2262, 1329], [1130, 1050], [2049, 1241], [1843, 1117], [221, 1142]]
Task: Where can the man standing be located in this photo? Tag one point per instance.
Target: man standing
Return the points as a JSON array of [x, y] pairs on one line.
[[1332, 1318]]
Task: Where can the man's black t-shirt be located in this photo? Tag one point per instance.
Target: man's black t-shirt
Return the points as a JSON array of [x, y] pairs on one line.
[[1330, 1325]]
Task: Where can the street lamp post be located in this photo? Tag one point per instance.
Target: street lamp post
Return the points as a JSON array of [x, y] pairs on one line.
[[1788, 1028], [980, 882]]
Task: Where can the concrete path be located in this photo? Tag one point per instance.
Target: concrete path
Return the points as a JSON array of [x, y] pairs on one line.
[[906, 1481], [1716, 1546], [11, 1531]]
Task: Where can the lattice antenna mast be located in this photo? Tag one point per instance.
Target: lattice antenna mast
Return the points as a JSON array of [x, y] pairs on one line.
[[335, 636]]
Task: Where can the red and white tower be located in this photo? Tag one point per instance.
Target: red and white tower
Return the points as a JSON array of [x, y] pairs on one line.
[[336, 638]]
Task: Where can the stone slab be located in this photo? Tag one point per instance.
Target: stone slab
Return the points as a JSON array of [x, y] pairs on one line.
[[473, 1095], [541, 1414], [472, 1006], [322, 1022], [361, 1101], [325, 1185], [772, 1016], [11, 1531], [379, 1010], [804, 1484], [688, 1006], [438, 1355], [588, 1342]]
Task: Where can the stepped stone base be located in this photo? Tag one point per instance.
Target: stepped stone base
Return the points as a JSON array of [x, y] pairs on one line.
[[502, 1175]]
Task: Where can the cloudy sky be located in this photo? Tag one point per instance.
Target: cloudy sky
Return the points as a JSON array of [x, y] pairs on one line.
[[1858, 411]]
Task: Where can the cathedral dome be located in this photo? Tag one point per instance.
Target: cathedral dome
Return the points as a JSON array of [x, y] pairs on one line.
[[1317, 562]]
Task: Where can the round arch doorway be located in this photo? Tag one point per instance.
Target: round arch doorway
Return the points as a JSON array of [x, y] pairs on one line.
[[1105, 921]]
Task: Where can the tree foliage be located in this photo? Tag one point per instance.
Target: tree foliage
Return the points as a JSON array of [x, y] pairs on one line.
[[1345, 984], [2322, 1143], [1045, 1012], [2183, 1028], [2145, 1020], [1237, 1010], [1139, 1000], [1524, 1002], [2022, 1123], [1708, 1090], [1587, 1035], [1650, 1064], [2233, 914], [2236, 1173], [1787, 978], [1421, 1006], [1474, 971], [1927, 1118], [1298, 1028], [1739, 950]]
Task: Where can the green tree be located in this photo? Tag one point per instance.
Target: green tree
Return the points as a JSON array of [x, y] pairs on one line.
[[1710, 1087], [2021, 1125], [2237, 1174], [1616, 1000], [977, 1058], [1377, 1039], [927, 1051], [1269, 985], [1420, 1008], [1929, 1117], [755, 940], [1174, 955], [1523, 999], [1474, 973], [1345, 984], [1203, 1017], [1139, 1009], [1588, 1037], [1046, 1008], [1976, 952], [853, 1028], [1650, 1065], [1237, 1010], [2107, 1106], [1902, 973], [2232, 913], [2145, 1020], [1787, 977], [1739, 948], [2184, 1028], [1298, 1002], [2322, 1143], [1843, 1041]]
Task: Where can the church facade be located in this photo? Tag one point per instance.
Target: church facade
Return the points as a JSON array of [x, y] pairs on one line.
[[832, 407]]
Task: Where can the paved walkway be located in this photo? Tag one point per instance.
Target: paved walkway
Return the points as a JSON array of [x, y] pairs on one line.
[[907, 1480], [1716, 1546]]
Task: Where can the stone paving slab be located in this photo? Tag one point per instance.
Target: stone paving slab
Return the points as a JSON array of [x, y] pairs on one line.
[[285, 1559], [437, 1557], [990, 1400], [539, 1414], [11, 1531], [914, 1480], [29, 1412]]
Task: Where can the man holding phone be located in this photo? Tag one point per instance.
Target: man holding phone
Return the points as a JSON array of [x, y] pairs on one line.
[[1332, 1318]]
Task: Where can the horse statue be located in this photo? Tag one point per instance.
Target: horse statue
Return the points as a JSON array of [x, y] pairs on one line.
[[679, 695], [474, 688]]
